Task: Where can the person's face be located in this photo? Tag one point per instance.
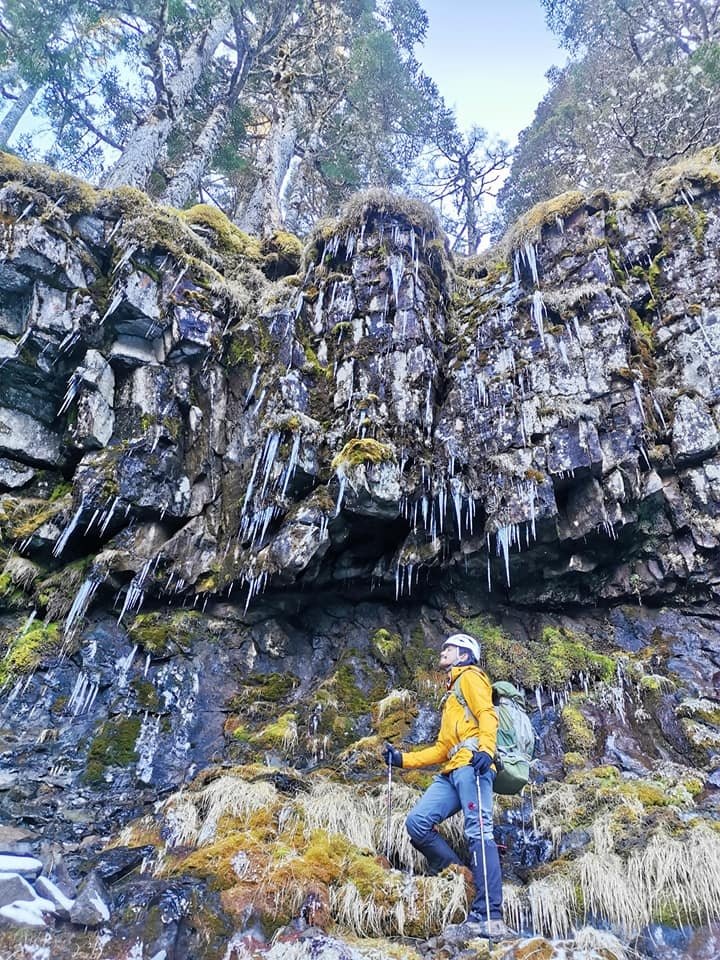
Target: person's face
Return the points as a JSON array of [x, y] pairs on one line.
[[448, 656]]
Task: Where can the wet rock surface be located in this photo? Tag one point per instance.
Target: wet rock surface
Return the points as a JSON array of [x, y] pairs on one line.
[[237, 517]]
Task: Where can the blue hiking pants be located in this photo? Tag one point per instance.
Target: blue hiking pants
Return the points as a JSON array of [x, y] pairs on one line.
[[446, 795]]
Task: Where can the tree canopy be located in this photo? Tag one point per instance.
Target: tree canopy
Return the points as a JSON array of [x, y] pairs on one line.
[[640, 89], [275, 110]]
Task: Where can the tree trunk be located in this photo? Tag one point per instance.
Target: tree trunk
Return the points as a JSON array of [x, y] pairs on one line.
[[262, 212], [289, 183], [186, 182], [144, 145], [471, 225], [15, 114]]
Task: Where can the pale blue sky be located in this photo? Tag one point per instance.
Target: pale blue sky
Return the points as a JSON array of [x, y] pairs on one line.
[[489, 58]]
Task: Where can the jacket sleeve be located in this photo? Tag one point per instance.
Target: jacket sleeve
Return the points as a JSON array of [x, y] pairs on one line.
[[478, 695], [427, 757]]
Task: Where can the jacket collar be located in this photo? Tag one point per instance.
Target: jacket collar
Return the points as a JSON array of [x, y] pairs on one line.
[[454, 672]]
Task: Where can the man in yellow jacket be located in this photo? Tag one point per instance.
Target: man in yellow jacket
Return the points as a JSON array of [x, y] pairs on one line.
[[466, 749]]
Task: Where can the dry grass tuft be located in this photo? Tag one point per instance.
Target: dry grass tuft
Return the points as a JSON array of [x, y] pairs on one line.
[[552, 904], [338, 809], [22, 572], [528, 228], [395, 700], [193, 817], [691, 175], [406, 903], [601, 944], [669, 877]]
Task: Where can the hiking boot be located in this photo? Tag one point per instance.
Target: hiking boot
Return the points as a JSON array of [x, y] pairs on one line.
[[490, 929]]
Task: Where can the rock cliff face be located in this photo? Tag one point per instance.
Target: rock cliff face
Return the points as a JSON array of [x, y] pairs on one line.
[[371, 422], [241, 493]]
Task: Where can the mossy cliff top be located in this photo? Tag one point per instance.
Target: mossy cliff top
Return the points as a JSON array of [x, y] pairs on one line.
[[686, 179], [202, 234], [337, 238]]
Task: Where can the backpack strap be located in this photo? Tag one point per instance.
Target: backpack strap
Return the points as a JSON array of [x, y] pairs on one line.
[[457, 691]]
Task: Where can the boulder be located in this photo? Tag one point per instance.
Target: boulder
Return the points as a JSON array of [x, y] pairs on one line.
[[694, 433], [49, 890], [28, 440], [27, 867], [91, 909], [13, 887]]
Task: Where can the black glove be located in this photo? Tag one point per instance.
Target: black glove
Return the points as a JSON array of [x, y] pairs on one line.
[[481, 762], [392, 755]]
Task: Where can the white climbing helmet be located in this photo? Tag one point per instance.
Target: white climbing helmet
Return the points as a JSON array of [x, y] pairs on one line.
[[465, 642]]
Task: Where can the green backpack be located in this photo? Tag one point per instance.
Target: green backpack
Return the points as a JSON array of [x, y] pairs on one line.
[[515, 736]]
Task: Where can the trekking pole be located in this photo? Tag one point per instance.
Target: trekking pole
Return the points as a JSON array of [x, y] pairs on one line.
[[388, 825], [484, 858]]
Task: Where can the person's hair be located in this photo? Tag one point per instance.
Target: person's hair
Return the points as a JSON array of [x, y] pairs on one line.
[[466, 655]]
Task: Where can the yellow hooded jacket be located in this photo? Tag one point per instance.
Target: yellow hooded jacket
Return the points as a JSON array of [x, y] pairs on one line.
[[456, 725]]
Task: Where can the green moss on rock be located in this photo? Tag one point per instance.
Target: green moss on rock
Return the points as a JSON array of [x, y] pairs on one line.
[[386, 646], [25, 651], [112, 746], [567, 655], [365, 450], [147, 696], [164, 633], [229, 239], [577, 732]]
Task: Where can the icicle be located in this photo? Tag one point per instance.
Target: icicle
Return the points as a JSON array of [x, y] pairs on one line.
[[538, 312], [516, 267], [292, 462], [396, 265], [123, 668], [108, 518], [299, 304], [341, 493], [456, 488], [83, 599], [253, 384], [83, 694], [28, 623], [503, 541], [178, 279], [658, 410], [563, 353], [653, 220], [538, 699], [638, 398], [73, 387], [135, 593], [68, 531], [93, 518], [251, 484], [687, 196], [531, 260], [318, 320]]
